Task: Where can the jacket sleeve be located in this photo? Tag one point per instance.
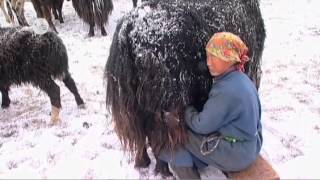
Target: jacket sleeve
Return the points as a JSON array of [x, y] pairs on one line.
[[214, 114]]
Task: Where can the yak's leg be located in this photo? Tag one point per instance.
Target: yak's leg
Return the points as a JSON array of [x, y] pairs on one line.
[[91, 31], [22, 19], [18, 8], [162, 167], [142, 159], [47, 15], [5, 96], [91, 21], [134, 3], [37, 7], [71, 85], [54, 12], [53, 91], [59, 9], [10, 11], [4, 12], [103, 30]]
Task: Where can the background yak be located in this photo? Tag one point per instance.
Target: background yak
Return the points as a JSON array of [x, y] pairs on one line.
[[44, 8], [157, 65], [26, 57], [94, 12]]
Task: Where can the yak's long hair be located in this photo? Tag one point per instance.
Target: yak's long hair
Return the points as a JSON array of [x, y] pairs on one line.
[[93, 11], [26, 57], [157, 64]]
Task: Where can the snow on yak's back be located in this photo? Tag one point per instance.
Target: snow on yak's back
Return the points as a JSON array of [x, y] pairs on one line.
[[157, 65], [29, 58]]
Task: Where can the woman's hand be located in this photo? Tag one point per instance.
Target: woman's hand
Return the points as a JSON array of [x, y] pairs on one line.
[[171, 118]]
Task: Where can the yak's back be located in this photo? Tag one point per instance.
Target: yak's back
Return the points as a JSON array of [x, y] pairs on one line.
[[25, 51], [161, 50]]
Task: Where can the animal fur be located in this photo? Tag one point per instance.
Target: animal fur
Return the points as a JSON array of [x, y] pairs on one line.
[[94, 12], [29, 58], [157, 65]]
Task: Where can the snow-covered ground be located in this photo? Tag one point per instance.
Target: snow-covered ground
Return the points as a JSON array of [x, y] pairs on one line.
[[85, 145]]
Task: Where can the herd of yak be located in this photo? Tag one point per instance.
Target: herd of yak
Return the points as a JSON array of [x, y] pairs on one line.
[[156, 64], [92, 12]]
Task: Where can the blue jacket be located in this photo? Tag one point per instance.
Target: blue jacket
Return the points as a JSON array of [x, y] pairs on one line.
[[233, 109]]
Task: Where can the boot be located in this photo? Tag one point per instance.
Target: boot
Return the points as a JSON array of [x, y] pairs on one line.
[[185, 172]]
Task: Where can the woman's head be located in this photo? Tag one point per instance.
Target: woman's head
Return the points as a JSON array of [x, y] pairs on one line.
[[225, 49]]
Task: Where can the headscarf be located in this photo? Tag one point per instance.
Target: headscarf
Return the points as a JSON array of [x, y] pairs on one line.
[[228, 47]]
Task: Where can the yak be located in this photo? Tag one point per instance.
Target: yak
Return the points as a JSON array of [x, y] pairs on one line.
[[43, 9], [94, 12], [157, 65], [29, 58]]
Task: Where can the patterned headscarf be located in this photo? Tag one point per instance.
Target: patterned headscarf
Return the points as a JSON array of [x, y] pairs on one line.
[[228, 47]]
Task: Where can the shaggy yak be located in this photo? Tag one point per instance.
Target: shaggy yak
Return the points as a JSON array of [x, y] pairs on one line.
[[157, 66], [26, 57], [94, 12]]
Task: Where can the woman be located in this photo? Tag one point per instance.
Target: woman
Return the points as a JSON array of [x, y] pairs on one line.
[[227, 132]]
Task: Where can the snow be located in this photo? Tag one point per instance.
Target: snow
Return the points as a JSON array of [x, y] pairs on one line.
[[85, 145]]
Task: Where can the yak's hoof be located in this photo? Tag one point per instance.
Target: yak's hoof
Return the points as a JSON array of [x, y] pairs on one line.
[[79, 101], [4, 106], [55, 121], [162, 168], [142, 163], [103, 33], [91, 34], [55, 118], [82, 106]]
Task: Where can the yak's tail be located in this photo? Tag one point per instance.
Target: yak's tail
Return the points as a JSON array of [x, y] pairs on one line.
[[120, 92], [102, 10], [253, 67]]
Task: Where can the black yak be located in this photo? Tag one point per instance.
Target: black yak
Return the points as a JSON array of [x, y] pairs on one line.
[[94, 12], [157, 65], [29, 58]]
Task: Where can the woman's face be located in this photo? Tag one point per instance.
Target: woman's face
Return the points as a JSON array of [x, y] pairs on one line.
[[217, 66]]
